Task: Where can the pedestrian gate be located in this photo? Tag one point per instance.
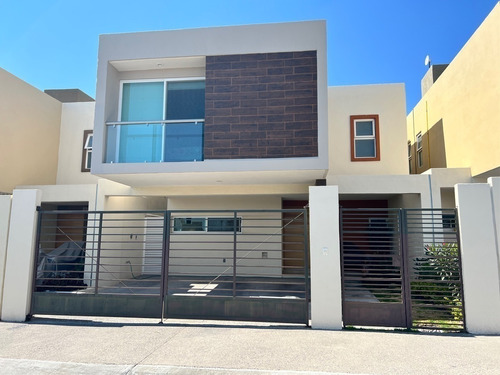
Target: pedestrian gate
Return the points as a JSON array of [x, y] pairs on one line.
[[177, 264], [401, 268]]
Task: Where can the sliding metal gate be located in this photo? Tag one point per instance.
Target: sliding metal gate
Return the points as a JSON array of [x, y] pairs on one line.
[[401, 268], [173, 264]]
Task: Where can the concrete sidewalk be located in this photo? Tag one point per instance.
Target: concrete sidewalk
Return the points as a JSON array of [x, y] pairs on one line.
[[59, 345]]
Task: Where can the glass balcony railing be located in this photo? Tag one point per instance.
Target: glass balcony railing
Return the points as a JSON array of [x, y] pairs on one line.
[[154, 141]]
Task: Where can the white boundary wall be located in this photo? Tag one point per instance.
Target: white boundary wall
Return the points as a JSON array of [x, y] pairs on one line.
[[20, 255], [5, 201], [478, 215], [326, 285]]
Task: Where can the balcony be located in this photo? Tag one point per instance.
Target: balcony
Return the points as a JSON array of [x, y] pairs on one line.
[[159, 121], [154, 141]]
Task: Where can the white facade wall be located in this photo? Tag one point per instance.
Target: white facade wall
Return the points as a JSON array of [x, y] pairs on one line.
[[385, 100], [75, 118], [428, 187], [326, 285], [442, 180], [122, 56], [494, 183], [477, 215], [20, 255]]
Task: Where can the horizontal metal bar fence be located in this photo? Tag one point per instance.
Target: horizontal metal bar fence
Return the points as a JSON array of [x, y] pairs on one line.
[[257, 254], [434, 269], [371, 272], [408, 258]]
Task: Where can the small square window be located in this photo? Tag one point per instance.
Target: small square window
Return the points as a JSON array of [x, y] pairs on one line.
[[365, 140]]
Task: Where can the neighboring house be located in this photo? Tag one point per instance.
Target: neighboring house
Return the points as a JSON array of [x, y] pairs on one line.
[[42, 134], [208, 146], [30, 122], [455, 124]]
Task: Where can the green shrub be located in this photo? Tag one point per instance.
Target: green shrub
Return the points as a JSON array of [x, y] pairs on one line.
[[438, 278]]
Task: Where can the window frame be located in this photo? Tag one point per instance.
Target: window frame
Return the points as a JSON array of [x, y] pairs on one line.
[[419, 148], [239, 220], [86, 150], [163, 121], [165, 83], [409, 156], [376, 136]]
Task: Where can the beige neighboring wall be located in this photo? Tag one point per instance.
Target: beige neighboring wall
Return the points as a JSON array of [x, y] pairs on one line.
[[385, 100], [30, 121], [75, 119], [466, 99]]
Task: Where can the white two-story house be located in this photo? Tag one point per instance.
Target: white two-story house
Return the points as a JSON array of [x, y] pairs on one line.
[[203, 143]]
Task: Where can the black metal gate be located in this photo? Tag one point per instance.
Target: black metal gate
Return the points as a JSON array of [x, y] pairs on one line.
[[172, 264], [401, 268]]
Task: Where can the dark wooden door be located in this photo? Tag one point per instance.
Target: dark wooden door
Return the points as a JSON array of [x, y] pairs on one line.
[[294, 241]]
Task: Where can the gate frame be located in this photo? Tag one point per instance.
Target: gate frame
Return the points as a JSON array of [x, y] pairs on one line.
[[163, 305], [406, 281]]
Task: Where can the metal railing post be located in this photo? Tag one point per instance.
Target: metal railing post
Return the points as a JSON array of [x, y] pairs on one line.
[[342, 272], [405, 269], [235, 233], [165, 262], [37, 256], [307, 280], [459, 254], [98, 263]]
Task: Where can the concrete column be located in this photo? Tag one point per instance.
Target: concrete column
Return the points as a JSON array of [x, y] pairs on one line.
[[326, 286], [494, 183], [480, 265], [5, 201], [20, 255]]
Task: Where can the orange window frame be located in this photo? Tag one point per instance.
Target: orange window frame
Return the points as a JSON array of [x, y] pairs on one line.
[[375, 119]]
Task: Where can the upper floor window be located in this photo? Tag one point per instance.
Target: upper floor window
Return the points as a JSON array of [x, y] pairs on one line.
[[409, 157], [365, 139], [158, 121], [87, 150], [420, 160]]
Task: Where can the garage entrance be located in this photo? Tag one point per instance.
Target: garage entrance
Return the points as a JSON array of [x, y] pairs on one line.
[[401, 268], [173, 264]]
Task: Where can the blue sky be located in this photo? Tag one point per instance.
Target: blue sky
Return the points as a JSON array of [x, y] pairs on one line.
[[53, 44]]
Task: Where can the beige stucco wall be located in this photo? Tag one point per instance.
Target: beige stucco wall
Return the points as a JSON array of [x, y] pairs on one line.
[[466, 98], [261, 233], [29, 120], [75, 118], [385, 100]]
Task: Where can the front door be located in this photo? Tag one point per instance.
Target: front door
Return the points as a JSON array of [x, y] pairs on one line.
[[293, 238]]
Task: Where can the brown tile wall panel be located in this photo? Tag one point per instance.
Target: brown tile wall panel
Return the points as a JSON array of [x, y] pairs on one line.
[[261, 105]]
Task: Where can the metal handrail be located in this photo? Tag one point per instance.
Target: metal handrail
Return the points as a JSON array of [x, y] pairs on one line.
[[160, 122]]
